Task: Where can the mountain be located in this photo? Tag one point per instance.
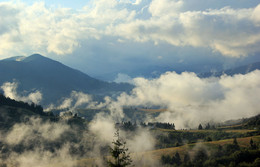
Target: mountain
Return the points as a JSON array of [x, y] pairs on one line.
[[53, 79], [238, 70]]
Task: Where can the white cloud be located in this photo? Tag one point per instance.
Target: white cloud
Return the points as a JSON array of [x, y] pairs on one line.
[[103, 126], [162, 8], [76, 99], [49, 30], [37, 28], [191, 100], [256, 15], [23, 133], [228, 31], [10, 90], [137, 2]]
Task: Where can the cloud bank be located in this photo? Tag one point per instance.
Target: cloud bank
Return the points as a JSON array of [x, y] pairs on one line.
[[191, 100], [228, 30]]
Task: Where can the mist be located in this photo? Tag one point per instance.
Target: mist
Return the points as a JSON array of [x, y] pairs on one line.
[[10, 90], [49, 144], [189, 101]]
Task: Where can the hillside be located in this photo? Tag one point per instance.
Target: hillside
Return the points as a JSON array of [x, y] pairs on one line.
[[26, 129], [52, 78], [156, 154], [13, 112], [244, 123], [211, 149]]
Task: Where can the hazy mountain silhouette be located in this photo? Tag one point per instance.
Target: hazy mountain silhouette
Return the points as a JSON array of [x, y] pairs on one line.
[[237, 70], [52, 78]]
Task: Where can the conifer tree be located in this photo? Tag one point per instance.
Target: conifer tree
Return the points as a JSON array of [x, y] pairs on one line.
[[200, 127], [121, 157]]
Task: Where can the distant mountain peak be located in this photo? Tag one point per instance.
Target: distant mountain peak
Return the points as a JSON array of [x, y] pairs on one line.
[[35, 57]]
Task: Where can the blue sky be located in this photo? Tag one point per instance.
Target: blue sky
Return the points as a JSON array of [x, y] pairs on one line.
[[134, 37]]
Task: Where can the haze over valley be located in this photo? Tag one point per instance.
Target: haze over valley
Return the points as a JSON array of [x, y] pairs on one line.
[[129, 83]]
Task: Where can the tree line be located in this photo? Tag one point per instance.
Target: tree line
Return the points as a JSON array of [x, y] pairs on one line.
[[128, 125], [38, 109]]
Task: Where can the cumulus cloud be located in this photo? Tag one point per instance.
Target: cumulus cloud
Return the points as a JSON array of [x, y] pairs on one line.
[[165, 7], [191, 100], [45, 28], [10, 90], [230, 31], [225, 30], [256, 15]]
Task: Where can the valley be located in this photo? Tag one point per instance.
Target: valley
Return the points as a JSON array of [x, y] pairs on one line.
[[130, 83], [80, 138]]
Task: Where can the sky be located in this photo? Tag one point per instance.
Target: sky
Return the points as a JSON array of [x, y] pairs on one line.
[[118, 39]]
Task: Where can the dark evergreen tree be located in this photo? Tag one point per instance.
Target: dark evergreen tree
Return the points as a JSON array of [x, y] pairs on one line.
[[119, 153], [207, 126], [231, 148], [200, 127]]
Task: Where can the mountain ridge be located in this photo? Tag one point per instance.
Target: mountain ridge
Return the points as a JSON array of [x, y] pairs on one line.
[[54, 79], [236, 70]]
